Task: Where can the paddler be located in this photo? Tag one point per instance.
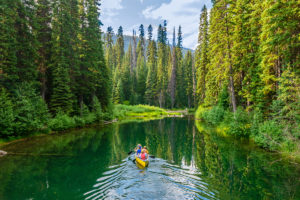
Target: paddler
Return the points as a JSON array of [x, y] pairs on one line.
[[138, 150], [144, 155], [146, 150]]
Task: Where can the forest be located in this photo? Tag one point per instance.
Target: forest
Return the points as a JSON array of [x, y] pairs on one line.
[[59, 70]]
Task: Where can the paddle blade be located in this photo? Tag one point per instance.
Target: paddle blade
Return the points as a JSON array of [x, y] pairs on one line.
[[130, 152], [151, 156]]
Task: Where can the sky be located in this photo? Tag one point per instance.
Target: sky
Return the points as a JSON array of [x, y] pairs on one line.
[[131, 13]]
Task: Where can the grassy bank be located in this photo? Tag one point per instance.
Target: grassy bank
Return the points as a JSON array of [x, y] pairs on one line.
[[273, 134], [141, 111]]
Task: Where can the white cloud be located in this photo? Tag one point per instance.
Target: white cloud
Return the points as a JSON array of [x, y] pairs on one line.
[[180, 12], [111, 4], [109, 9]]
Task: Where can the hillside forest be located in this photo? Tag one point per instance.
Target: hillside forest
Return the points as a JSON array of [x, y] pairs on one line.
[[59, 70]]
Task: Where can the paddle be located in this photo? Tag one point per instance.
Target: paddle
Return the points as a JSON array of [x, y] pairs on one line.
[[130, 152], [151, 156]]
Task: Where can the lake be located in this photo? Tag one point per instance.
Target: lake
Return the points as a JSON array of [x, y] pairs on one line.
[[191, 162]]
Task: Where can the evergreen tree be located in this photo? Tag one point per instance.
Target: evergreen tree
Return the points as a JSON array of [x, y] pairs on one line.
[[61, 95], [201, 55], [245, 50], [43, 32], [220, 68], [150, 94], [109, 50], [172, 83], [179, 38], [141, 71], [188, 71], [150, 32], [162, 72], [119, 49], [8, 44], [279, 43], [127, 78], [180, 90]]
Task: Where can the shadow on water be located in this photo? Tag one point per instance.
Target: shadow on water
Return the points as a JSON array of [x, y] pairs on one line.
[[191, 162]]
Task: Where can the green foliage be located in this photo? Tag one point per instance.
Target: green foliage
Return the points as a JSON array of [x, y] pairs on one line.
[[215, 115], [223, 99], [54, 47], [269, 135], [238, 123], [6, 114], [97, 110], [31, 113], [62, 122]]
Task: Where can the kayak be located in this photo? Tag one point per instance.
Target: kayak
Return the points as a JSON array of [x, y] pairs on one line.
[[141, 162]]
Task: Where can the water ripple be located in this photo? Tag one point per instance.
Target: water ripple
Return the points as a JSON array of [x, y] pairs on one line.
[[162, 180]]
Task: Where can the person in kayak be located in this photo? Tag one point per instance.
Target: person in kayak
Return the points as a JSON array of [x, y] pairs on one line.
[[139, 150], [146, 150], [144, 155]]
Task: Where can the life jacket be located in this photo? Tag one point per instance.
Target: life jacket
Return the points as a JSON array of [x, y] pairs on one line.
[[143, 156], [139, 151]]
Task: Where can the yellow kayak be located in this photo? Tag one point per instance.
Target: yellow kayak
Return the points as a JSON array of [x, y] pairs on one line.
[[141, 163]]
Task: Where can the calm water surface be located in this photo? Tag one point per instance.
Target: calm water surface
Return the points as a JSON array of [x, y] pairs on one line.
[[191, 162]]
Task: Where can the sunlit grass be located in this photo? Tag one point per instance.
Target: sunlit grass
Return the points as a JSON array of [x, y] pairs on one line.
[[124, 111]]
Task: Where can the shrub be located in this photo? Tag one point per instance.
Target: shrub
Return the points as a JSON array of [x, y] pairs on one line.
[[269, 135], [97, 110], [238, 123], [62, 122], [214, 115], [31, 113], [6, 114]]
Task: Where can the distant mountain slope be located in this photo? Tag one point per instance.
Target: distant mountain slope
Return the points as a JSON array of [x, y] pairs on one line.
[[128, 40]]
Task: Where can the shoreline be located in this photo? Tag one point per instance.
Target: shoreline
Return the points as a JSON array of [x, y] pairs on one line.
[[5, 142]]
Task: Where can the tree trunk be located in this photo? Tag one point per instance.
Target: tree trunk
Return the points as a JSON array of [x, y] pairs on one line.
[[231, 81]]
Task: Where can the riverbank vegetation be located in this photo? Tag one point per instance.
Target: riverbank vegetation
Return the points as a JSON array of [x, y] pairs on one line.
[[53, 73], [138, 111], [248, 77]]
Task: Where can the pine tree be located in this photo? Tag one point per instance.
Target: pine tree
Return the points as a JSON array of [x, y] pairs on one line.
[[127, 78], [150, 94], [134, 56], [100, 72], [43, 32], [188, 71], [61, 96], [180, 90], [150, 32], [109, 50], [201, 55], [172, 82], [279, 43], [8, 44], [141, 71], [162, 72], [220, 68], [119, 49], [245, 50]]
